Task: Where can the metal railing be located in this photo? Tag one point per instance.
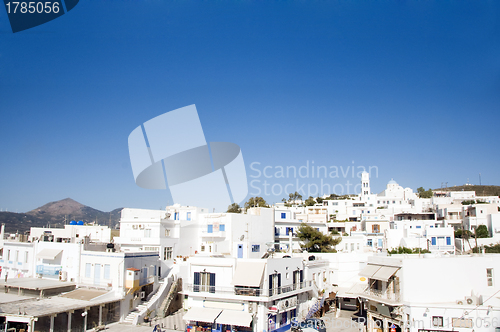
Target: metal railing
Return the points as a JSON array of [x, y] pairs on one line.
[[247, 291], [385, 295]]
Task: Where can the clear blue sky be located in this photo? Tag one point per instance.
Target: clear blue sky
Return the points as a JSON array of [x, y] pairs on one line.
[[411, 87]]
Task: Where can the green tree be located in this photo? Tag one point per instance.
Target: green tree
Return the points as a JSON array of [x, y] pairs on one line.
[[316, 241], [310, 201], [234, 208], [465, 234], [422, 193], [319, 200], [255, 202], [482, 231]]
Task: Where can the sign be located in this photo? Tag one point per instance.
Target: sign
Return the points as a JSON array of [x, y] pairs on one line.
[[273, 309]]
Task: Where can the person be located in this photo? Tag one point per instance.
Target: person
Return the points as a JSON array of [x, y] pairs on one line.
[[6, 275]]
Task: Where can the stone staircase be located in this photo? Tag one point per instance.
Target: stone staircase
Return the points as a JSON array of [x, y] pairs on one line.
[[132, 316]]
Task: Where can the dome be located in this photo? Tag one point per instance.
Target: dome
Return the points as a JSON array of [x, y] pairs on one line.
[[392, 182]]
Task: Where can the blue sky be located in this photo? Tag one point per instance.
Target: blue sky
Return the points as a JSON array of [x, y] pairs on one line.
[[410, 87]]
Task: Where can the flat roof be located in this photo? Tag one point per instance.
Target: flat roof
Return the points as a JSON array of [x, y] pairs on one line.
[[9, 297], [84, 294], [50, 306], [35, 283]]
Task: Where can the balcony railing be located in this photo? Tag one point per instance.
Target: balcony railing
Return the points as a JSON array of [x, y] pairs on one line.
[[384, 295], [247, 291]]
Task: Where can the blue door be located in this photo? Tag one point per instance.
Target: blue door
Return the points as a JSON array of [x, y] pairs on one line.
[[97, 274], [240, 251], [380, 243]]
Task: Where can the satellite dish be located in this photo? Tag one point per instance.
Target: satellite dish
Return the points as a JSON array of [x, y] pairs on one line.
[[242, 237]]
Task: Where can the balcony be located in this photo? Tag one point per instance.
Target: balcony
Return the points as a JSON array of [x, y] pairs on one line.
[[213, 234], [248, 291], [375, 294]]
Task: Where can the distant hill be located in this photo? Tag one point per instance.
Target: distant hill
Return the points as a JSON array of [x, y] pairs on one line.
[[482, 190], [57, 214]]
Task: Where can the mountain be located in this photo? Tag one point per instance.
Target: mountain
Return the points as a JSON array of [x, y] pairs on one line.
[[57, 214], [482, 190]]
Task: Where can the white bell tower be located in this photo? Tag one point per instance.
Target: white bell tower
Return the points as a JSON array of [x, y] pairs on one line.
[[365, 184]]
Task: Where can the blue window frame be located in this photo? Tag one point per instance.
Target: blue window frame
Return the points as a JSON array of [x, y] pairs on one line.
[[419, 226], [210, 229], [176, 216], [87, 270], [222, 228], [283, 215], [107, 271], [433, 241], [370, 243], [448, 241], [255, 247], [188, 216]]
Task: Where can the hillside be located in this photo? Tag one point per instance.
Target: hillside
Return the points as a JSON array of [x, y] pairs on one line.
[[482, 190], [57, 214]]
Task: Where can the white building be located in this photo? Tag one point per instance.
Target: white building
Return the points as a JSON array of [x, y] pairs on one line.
[[431, 293]]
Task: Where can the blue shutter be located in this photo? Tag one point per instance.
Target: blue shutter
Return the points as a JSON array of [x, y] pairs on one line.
[[210, 229], [222, 228], [287, 230], [196, 283], [270, 285], [433, 240], [212, 283], [283, 216], [448, 241]]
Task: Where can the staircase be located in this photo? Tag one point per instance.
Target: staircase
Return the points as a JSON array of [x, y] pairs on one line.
[[165, 306]]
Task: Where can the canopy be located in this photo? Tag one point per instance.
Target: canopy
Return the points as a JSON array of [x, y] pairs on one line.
[[249, 274], [206, 315], [233, 317], [384, 273], [48, 253], [369, 270]]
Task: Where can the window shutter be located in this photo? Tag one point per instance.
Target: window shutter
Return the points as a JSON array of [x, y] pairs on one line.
[[301, 275], [196, 286], [279, 283], [270, 285], [212, 283]]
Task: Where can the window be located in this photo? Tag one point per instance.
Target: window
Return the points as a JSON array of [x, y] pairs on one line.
[[255, 247], [283, 215], [107, 271], [210, 228], [274, 284], [87, 270], [276, 231], [204, 282], [358, 246], [369, 242], [8, 255], [375, 228], [489, 276], [448, 241], [289, 230], [176, 216], [222, 228], [26, 257], [437, 321], [167, 232], [433, 241], [419, 227], [17, 255], [147, 233], [188, 216], [167, 253]]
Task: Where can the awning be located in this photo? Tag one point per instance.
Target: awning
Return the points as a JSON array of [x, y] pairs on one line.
[[249, 274], [369, 270], [385, 272], [48, 253], [233, 317], [206, 315]]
